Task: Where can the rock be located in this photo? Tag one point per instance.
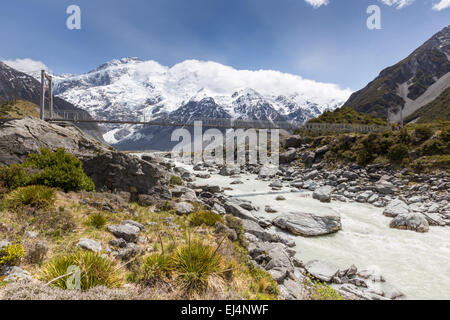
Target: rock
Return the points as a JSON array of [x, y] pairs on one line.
[[134, 223], [182, 208], [309, 224], [223, 229], [385, 187], [127, 232], [239, 212], [350, 175], [15, 274], [4, 243], [410, 221], [321, 270], [280, 198], [219, 209], [308, 158], [236, 182], [269, 209], [288, 156], [373, 198], [90, 245], [276, 184], [268, 171], [129, 252], [293, 141], [229, 170], [310, 185], [110, 170], [120, 243], [291, 290], [323, 194], [313, 174], [364, 197], [396, 207], [255, 229]]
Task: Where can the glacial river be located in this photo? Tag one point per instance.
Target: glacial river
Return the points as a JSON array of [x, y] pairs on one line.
[[415, 263]]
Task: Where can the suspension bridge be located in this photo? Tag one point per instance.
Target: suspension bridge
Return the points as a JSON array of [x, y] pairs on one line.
[[80, 116]]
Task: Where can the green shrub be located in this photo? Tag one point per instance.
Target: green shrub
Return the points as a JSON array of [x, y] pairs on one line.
[[195, 264], [59, 170], [322, 291], [11, 254], [14, 176], [53, 169], [432, 147], [156, 267], [398, 152], [445, 134], [97, 220], [208, 218], [423, 132], [95, 270], [38, 197], [176, 181]]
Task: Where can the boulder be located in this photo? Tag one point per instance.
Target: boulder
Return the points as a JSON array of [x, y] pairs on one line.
[[127, 232], [90, 245], [323, 194], [293, 141], [268, 171], [309, 224], [238, 211], [396, 207], [229, 170], [255, 229], [109, 169], [288, 156], [321, 270], [410, 221], [385, 187], [182, 208], [15, 274]]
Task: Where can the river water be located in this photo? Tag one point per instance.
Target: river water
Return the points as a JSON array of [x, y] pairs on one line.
[[418, 264]]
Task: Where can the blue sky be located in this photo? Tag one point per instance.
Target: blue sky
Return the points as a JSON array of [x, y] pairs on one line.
[[327, 43]]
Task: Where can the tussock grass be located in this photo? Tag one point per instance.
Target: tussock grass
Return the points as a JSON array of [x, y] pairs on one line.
[[195, 264], [95, 270], [38, 197]]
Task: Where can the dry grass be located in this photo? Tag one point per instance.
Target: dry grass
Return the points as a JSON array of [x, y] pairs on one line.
[[165, 233]]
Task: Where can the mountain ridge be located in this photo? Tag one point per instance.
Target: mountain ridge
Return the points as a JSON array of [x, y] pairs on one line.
[[411, 83]]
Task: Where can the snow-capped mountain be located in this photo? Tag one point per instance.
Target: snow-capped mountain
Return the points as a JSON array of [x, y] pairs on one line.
[[132, 89]]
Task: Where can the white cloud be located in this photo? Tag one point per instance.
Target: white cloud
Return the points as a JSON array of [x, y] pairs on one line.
[[317, 3], [441, 5], [27, 65], [398, 3]]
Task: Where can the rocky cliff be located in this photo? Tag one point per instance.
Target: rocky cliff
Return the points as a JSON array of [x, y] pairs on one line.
[[110, 170]]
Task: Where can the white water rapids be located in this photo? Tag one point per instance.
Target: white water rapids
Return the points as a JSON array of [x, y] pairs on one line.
[[418, 264]]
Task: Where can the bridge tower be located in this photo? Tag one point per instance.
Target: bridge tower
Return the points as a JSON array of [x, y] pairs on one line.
[[46, 79]]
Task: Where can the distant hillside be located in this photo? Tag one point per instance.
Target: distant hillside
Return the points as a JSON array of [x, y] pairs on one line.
[[18, 109], [439, 109], [18, 86], [347, 115], [412, 83]]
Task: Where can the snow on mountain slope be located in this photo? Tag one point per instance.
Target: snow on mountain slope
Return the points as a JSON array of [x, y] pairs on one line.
[[132, 89]]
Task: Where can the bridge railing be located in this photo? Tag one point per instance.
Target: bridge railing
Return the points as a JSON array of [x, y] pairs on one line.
[[80, 116]]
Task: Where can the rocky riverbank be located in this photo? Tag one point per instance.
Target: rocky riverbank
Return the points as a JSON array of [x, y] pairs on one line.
[[274, 251]]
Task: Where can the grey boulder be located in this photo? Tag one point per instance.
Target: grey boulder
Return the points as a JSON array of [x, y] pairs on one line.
[[323, 194], [396, 207], [90, 245], [410, 221], [309, 224]]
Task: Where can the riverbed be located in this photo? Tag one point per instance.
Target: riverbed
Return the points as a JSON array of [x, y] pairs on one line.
[[418, 264]]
